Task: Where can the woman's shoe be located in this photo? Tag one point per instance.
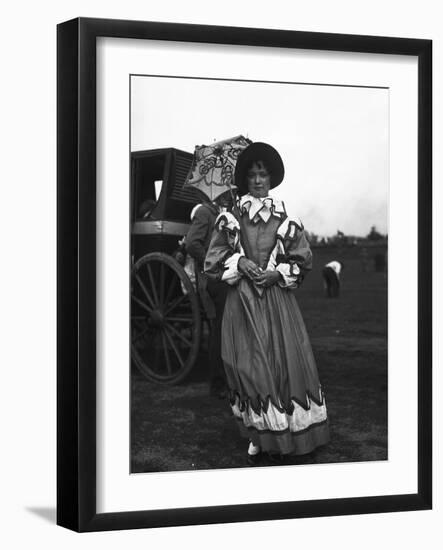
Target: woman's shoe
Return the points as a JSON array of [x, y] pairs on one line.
[[254, 455]]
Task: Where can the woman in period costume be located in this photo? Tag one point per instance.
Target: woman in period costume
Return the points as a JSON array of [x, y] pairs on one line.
[[275, 393]]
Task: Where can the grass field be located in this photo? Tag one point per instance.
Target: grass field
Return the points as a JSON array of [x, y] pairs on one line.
[[183, 428]]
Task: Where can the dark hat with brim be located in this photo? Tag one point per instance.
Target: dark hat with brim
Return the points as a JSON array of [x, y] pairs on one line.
[[253, 153]]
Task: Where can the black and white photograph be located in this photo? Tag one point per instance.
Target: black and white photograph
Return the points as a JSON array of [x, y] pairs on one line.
[[258, 273]]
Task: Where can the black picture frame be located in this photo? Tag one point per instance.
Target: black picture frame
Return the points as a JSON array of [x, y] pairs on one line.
[[76, 273]]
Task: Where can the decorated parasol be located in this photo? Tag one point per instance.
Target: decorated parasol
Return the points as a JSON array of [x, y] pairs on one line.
[[213, 166], [212, 173]]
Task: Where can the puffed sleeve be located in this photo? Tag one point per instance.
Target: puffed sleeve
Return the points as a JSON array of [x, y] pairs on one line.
[[224, 250], [294, 257]]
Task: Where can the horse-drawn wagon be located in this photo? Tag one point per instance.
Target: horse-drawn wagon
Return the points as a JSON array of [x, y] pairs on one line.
[[166, 314]]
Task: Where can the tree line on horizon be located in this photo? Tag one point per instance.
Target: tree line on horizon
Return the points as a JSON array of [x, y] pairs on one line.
[[374, 237]]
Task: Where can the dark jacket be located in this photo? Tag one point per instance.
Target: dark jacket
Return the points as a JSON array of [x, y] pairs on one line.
[[200, 233]]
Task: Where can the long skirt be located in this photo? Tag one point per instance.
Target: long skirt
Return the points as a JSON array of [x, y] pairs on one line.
[[275, 393]]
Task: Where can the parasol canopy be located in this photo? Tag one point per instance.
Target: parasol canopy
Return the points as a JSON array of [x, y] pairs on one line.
[[213, 166]]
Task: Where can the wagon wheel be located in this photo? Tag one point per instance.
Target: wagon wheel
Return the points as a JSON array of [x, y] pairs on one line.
[[165, 319]]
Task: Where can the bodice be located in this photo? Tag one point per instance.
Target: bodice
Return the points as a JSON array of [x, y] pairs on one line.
[[261, 237]]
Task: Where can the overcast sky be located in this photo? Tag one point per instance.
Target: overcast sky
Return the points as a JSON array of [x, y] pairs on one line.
[[333, 140]]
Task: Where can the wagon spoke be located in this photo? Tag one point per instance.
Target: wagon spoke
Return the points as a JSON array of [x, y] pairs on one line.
[[182, 338], [170, 290], [157, 349], [174, 347], [151, 279], [139, 321], [168, 360], [162, 283], [174, 304], [179, 319], [145, 291], [141, 304], [141, 334]]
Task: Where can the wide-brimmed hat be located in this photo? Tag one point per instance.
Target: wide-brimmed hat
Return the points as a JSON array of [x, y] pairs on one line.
[[254, 152]]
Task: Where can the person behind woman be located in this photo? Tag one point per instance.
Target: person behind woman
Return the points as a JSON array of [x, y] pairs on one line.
[[274, 389], [212, 293]]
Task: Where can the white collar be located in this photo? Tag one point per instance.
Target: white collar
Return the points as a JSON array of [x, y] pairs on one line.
[[262, 207]]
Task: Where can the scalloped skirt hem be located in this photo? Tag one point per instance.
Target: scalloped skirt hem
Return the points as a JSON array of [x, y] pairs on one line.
[[286, 442]]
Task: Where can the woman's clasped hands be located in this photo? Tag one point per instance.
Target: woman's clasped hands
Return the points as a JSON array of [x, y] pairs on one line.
[[260, 277]]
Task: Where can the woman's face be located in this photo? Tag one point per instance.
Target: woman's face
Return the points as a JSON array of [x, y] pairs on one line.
[[259, 180]]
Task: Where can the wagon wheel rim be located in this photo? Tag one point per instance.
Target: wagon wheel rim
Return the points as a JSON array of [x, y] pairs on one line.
[[165, 319]]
